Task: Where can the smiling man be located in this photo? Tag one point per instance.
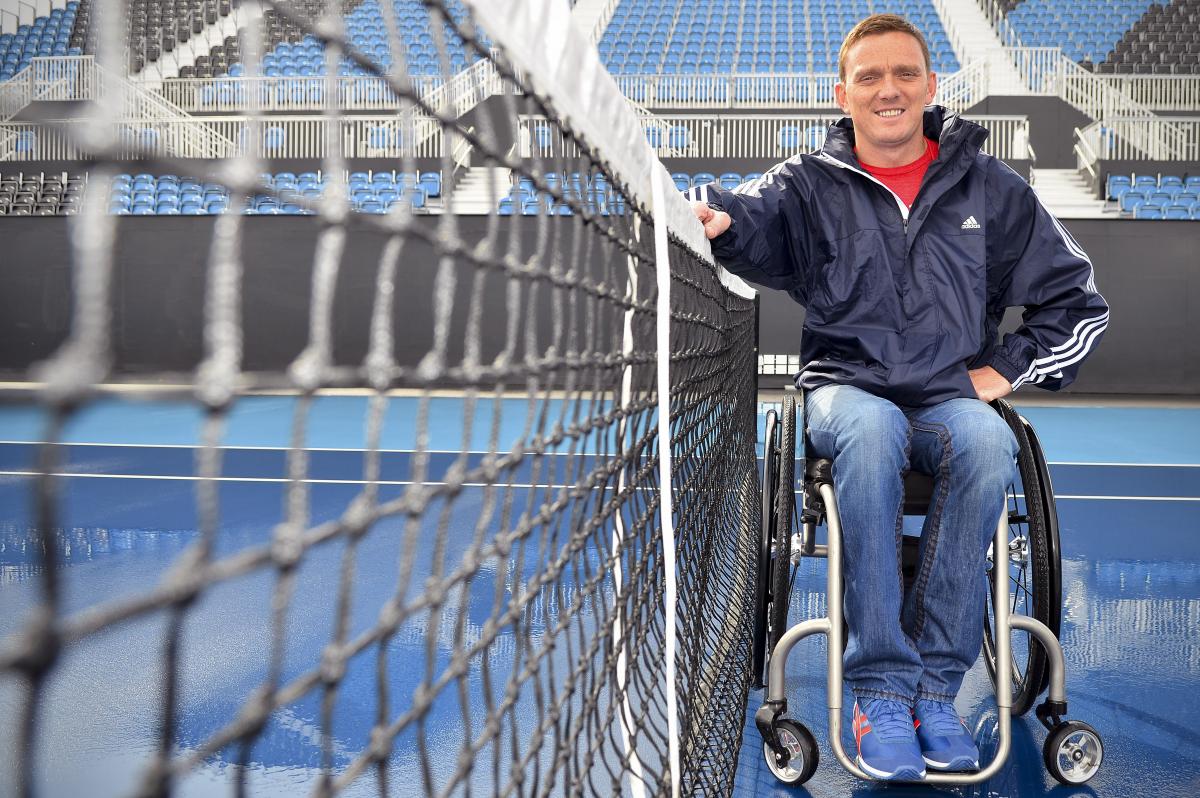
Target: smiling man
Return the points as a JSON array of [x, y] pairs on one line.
[[905, 243]]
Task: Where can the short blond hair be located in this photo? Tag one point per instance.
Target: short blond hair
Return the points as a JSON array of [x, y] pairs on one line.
[[875, 25]]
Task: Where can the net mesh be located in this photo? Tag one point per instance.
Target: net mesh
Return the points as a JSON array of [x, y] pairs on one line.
[[519, 644]]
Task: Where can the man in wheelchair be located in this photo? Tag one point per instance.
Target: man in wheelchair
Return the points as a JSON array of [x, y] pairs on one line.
[[905, 243]]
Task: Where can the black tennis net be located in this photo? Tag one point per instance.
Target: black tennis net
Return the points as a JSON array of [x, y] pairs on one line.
[[565, 631]]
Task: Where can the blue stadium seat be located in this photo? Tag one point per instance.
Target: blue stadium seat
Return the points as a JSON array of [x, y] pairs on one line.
[[1131, 199], [678, 137], [729, 180], [1118, 185], [789, 138], [431, 183], [274, 137], [415, 197], [814, 137]]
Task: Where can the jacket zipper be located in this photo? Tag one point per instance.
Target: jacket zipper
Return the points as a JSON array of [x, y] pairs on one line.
[[899, 202]]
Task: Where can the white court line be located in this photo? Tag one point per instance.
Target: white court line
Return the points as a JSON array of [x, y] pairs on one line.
[[1123, 465], [346, 449], [284, 480], [356, 450]]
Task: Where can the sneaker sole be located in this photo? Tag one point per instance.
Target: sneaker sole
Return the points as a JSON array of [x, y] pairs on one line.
[[903, 774], [958, 763]]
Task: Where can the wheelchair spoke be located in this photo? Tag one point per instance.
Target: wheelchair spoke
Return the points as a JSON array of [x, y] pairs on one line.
[[1018, 676], [1022, 589]]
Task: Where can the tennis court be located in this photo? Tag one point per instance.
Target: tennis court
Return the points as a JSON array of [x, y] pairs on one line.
[[1127, 478]]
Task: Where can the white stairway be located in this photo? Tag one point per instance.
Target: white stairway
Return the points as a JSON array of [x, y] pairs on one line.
[[1066, 195], [587, 14], [974, 39], [474, 195]]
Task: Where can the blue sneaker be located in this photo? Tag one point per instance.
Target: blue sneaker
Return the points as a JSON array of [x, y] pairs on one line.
[[887, 741], [945, 742]]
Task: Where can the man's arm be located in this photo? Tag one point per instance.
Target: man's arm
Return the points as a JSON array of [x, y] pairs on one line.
[[752, 227], [1035, 263], [989, 384]]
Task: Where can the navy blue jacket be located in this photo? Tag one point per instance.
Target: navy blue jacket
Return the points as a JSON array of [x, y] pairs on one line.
[[903, 302]]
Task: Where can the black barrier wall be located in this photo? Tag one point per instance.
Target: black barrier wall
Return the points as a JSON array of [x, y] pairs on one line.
[[1148, 270]]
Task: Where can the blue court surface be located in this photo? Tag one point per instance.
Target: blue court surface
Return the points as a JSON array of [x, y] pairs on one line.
[[1128, 487]]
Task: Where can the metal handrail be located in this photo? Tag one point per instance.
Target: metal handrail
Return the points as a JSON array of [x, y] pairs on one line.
[[292, 137], [750, 136], [962, 89]]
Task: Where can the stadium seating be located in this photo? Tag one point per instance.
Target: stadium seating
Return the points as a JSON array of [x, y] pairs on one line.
[[145, 194], [38, 194], [1115, 35], [292, 53], [1165, 41], [1155, 196], [46, 36], [526, 199], [674, 37], [153, 27]]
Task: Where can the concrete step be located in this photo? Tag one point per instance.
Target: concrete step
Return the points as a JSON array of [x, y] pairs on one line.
[[1066, 194], [973, 37], [474, 195]]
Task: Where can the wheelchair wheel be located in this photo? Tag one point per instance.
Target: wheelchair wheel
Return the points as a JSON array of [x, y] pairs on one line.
[[803, 755], [1035, 573], [785, 506], [1072, 752], [774, 551]]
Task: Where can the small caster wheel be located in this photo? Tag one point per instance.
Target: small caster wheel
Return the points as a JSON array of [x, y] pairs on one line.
[[802, 753], [1073, 752]]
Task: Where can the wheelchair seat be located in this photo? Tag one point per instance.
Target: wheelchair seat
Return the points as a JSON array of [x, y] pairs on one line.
[[918, 487]]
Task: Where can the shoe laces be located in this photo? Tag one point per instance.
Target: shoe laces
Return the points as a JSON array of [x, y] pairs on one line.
[[940, 717], [890, 720]]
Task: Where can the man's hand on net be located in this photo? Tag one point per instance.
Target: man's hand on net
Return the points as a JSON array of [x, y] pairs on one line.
[[715, 222], [989, 383]]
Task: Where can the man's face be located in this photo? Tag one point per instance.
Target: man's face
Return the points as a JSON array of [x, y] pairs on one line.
[[885, 91]]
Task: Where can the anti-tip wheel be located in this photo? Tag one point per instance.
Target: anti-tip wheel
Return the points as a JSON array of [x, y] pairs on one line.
[[802, 753], [1073, 752]]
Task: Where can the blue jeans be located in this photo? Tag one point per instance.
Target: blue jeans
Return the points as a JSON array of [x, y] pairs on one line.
[[904, 647]]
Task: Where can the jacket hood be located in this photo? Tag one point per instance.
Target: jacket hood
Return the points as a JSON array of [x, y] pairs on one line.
[[953, 134]]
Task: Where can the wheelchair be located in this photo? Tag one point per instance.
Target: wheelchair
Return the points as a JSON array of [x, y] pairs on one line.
[[1025, 596]]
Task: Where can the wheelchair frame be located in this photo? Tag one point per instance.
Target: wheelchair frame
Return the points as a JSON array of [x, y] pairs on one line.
[[1075, 742]]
